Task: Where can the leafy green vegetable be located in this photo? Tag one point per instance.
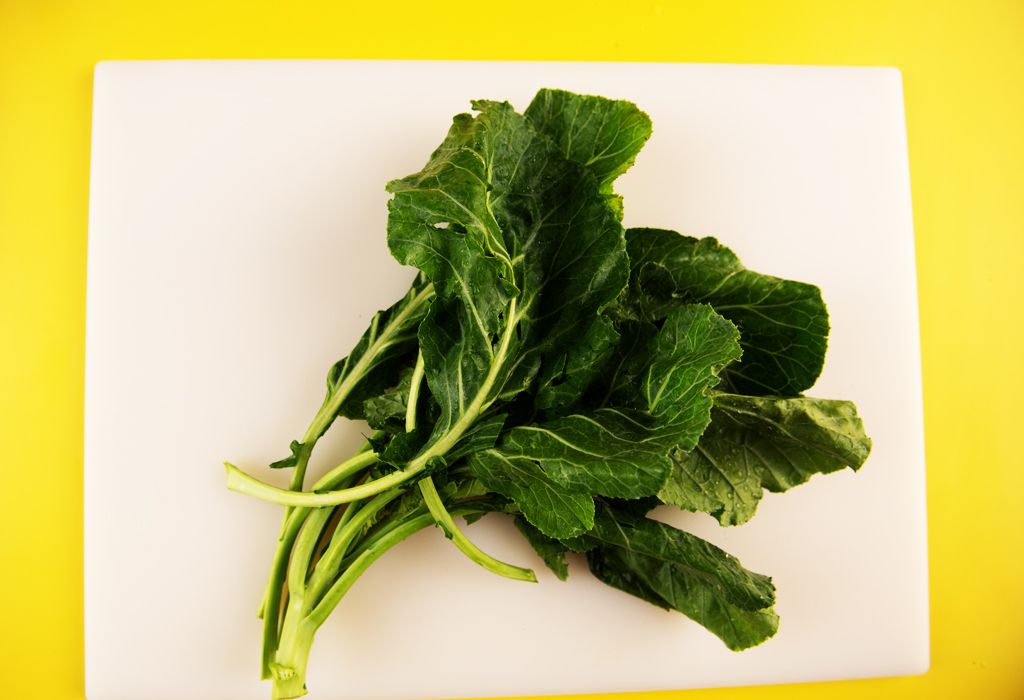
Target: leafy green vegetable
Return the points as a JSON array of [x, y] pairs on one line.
[[548, 549], [783, 324], [756, 443], [675, 570], [549, 364]]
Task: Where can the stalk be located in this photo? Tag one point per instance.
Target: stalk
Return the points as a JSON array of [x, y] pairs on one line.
[[442, 518], [288, 669], [332, 404], [327, 412], [327, 568], [243, 483], [342, 474], [290, 649]]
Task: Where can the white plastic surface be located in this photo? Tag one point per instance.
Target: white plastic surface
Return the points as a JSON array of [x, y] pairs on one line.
[[237, 249]]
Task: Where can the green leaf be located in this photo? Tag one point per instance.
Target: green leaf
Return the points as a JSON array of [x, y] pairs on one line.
[[386, 348], [299, 452], [675, 570], [387, 411], [402, 446], [621, 453], [551, 551], [691, 349], [487, 220], [603, 135], [757, 442], [668, 372], [481, 436], [564, 379], [551, 507], [783, 324]]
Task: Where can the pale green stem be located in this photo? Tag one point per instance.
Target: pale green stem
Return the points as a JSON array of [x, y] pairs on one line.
[[444, 520], [243, 483], [327, 568], [279, 566], [369, 555], [441, 515], [414, 394]]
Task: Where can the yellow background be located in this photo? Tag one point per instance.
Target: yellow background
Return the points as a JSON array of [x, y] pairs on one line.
[[963, 70]]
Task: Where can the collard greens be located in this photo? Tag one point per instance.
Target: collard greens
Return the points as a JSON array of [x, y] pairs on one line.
[[549, 364]]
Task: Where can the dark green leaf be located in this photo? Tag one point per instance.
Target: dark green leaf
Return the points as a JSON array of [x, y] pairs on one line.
[[551, 551], [622, 452], [565, 378], [669, 371], [299, 452], [481, 436], [608, 452], [488, 221], [674, 569], [758, 442], [387, 411], [783, 324], [554, 509], [603, 135], [692, 347]]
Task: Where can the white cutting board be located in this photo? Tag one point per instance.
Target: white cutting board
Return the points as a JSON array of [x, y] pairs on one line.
[[237, 249]]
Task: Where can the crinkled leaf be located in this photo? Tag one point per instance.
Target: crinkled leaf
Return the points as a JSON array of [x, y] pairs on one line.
[[551, 551], [783, 324], [565, 378], [619, 381], [669, 371], [481, 436], [609, 452], [673, 569], [622, 452], [556, 510], [755, 443], [387, 411], [603, 135], [691, 349], [488, 220]]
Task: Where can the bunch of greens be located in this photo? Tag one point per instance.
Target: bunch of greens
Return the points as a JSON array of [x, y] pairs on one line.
[[549, 364]]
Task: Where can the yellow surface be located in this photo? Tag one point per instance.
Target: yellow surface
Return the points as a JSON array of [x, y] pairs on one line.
[[963, 68]]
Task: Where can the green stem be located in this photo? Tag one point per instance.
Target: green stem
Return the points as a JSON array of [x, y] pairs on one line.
[[373, 549], [302, 552], [442, 517], [343, 474], [444, 520], [414, 393], [272, 593], [327, 568], [332, 479], [289, 666], [327, 412], [362, 563], [350, 467], [243, 483]]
